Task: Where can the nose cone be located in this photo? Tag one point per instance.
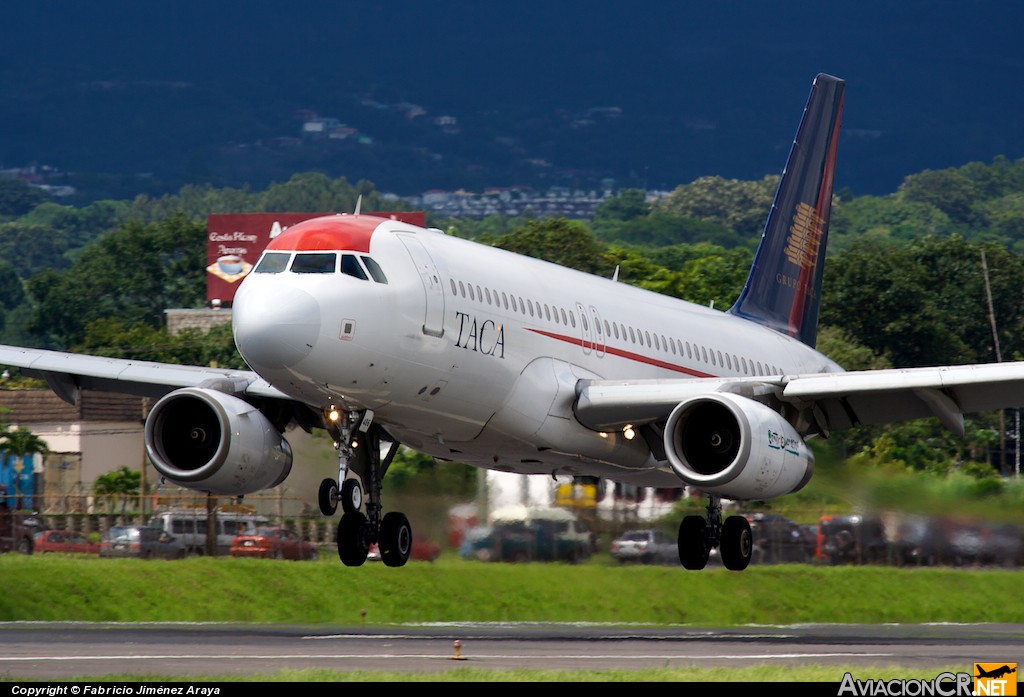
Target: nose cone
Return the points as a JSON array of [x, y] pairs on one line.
[[275, 326]]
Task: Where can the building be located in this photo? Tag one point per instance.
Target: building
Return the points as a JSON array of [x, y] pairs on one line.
[[102, 433]]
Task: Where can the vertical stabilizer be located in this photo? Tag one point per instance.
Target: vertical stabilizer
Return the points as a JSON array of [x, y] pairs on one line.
[[783, 290]]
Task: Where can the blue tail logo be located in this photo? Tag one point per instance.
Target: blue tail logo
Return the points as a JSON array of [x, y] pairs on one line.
[[783, 290]]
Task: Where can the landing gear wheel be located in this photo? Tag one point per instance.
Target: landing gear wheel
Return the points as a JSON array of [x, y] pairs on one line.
[[737, 543], [395, 541], [328, 497], [352, 543], [693, 545], [351, 496]]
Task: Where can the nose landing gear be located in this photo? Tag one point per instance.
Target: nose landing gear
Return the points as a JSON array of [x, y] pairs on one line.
[[361, 470]]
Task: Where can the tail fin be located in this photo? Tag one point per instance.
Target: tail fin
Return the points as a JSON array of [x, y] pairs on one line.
[[783, 290]]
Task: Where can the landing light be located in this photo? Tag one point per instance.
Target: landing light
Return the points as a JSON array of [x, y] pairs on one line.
[[333, 414], [628, 432]]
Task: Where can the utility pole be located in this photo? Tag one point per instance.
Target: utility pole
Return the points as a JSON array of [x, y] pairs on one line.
[[999, 359]]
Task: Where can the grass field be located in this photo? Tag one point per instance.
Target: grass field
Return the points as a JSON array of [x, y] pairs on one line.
[[87, 589], [67, 588]]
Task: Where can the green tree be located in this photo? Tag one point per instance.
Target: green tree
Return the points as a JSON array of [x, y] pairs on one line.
[[628, 205], [18, 197], [924, 303], [111, 337], [20, 442], [133, 274], [119, 486], [558, 240], [948, 190], [741, 206], [412, 471]]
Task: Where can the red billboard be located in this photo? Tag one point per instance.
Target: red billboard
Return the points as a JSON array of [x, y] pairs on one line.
[[234, 242]]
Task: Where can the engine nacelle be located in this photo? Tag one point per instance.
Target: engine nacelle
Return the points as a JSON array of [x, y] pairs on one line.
[[736, 448], [211, 441]]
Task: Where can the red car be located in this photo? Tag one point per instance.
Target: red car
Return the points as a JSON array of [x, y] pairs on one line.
[[64, 541], [273, 543], [422, 550]]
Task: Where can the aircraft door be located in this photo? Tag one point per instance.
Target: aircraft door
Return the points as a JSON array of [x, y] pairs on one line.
[[600, 340], [585, 329], [433, 288]]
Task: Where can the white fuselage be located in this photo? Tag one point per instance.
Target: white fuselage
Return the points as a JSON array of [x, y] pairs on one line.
[[472, 353]]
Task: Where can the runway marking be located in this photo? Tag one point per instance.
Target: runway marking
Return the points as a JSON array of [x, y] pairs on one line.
[[431, 656]]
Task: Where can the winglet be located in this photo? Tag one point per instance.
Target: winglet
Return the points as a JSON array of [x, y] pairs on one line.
[[783, 290]]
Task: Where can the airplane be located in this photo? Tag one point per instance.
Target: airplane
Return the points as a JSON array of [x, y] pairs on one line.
[[995, 673], [387, 334]]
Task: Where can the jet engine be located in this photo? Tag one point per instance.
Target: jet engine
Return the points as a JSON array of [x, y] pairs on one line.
[[210, 441], [734, 447]]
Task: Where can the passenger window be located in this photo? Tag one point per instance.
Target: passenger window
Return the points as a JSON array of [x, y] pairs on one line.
[[350, 267], [319, 262], [272, 262], [455, 290], [377, 273]]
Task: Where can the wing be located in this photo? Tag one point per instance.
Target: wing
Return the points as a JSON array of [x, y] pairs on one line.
[[67, 373], [828, 401]]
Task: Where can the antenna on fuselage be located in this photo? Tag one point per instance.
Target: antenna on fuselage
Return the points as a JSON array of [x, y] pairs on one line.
[[359, 204], [615, 276]]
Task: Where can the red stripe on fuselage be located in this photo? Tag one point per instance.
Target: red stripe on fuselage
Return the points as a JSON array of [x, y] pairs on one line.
[[629, 355], [350, 232]]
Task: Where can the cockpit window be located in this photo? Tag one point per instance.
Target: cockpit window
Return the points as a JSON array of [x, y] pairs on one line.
[[350, 266], [318, 262], [375, 270], [272, 262]]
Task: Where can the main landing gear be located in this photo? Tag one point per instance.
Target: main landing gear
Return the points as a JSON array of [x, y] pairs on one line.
[[697, 537], [361, 471]]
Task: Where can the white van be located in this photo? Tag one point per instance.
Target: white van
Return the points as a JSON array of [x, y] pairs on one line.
[[190, 526]]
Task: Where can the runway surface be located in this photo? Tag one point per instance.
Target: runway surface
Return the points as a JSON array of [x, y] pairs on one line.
[[61, 651]]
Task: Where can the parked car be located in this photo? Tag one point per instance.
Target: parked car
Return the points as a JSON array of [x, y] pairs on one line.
[[422, 550], [17, 531], [645, 547], [64, 541], [190, 524], [520, 534], [779, 540], [852, 539], [142, 541], [273, 543]]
